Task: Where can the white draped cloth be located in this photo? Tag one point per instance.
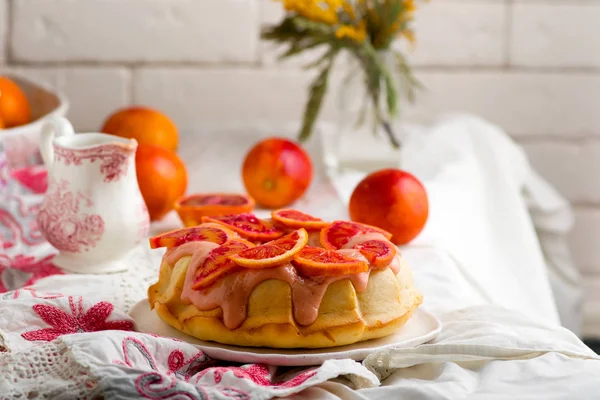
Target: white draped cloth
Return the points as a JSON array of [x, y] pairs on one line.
[[492, 264]]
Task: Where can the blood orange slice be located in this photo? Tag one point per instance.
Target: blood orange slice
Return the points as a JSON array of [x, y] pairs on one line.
[[315, 261], [178, 237], [248, 226], [192, 208], [273, 253], [218, 264], [336, 235], [380, 253], [296, 219]]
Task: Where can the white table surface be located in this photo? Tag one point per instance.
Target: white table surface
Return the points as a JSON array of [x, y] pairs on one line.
[[478, 262]]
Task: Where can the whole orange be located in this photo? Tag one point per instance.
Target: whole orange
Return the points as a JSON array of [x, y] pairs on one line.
[[393, 200], [162, 178], [14, 106], [1, 123], [143, 124], [276, 172]]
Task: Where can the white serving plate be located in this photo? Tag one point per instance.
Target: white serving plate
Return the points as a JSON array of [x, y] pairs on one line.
[[420, 328], [21, 143]]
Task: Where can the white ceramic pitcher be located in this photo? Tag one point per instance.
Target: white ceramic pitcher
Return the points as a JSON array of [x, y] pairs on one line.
[[93, 212]]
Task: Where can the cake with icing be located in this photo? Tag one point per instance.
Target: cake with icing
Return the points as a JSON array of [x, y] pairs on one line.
[[290, 282]]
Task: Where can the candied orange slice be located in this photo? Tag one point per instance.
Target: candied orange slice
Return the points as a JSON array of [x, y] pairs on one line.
[[296, 219], [315, 261], [217, 264], [248, 226], [336, 235], [218, 235], [380, 253], [192, 208], [275, 252]]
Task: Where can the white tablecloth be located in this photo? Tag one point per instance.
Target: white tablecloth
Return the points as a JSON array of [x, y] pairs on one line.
[[478, 262]]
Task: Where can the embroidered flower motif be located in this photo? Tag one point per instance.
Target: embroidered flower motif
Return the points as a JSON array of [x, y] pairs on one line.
[[158, 385], [33, 178], [64, 323], [14, 231], [23, 271], [257, 373], [16, 294]]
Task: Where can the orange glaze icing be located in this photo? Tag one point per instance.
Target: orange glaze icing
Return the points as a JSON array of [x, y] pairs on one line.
[[232, 292]]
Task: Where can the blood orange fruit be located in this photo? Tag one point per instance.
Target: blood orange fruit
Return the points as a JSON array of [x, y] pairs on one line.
[[197, 233], [218, 264], [336, 235], [276, 172], [296, 219], [393, 200], [315, 261], [192, 208], [275, 252], [380, 253], [248, 226]]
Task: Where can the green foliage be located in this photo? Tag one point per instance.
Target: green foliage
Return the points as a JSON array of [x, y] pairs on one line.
[[382, 19]]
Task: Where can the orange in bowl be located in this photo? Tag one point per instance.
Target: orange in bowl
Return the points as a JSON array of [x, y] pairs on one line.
[[192, 208], [144, 124], [14, 106]]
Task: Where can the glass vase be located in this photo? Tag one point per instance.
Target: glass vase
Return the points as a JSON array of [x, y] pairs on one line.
[[359, 141]]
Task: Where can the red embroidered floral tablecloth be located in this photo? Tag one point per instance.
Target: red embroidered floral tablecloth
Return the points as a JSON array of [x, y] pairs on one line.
[[69, 336]]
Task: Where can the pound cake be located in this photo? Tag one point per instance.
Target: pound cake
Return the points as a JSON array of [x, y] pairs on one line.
[[293, 281]]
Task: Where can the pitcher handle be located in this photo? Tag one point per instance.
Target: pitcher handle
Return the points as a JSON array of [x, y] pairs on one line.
[[55, 127]]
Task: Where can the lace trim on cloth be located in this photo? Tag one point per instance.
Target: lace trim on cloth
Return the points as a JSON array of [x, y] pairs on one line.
[[47, 371]]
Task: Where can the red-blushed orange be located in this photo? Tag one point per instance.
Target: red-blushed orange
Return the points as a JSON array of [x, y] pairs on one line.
[[276, 172], [393, 200]]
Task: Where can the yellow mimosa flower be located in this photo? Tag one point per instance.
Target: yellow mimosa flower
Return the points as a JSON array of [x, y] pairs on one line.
[[410, 36], [356, 33], [315, 10]]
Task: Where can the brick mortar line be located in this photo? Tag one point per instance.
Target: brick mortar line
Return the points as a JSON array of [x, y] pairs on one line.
[[543, 139], [130, 64], [558, 2], [585, 206], [455, 69]]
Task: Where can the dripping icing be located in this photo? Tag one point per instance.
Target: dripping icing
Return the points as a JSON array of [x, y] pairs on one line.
[[232, 292]]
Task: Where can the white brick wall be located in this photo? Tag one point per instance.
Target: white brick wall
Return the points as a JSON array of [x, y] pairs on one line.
[[473, 33], [213, 95], [3, 28], [525, 103], [135, 30], [531, 66], [560, 34]]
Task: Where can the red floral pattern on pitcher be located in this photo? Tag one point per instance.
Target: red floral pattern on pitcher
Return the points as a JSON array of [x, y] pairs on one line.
[[113, 159], [64, 225], [64, 323]]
